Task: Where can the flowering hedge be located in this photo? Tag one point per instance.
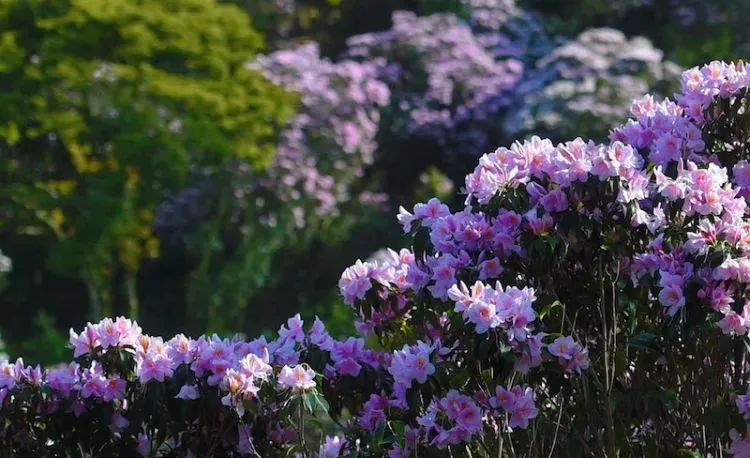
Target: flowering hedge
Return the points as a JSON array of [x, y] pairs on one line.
[[588, 298]]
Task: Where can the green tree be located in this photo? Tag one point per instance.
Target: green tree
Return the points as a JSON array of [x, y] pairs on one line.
[[104, 105]]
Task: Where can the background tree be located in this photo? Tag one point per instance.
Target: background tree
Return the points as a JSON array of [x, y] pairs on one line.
[[105, 105]]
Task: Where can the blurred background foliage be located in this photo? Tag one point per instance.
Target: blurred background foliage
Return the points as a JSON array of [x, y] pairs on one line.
[[139, 150]]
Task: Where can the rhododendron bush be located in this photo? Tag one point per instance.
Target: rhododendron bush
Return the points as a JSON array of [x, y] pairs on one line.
[[589, 299], [585, 85]]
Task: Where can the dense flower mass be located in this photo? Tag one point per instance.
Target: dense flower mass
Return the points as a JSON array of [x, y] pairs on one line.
[[595, 288], [332, 138], [446, 84], [668, 220], [584, 86], [118, 369]]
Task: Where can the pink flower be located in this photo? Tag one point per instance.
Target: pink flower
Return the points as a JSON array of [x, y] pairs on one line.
[[188, 392], [62, 380], [519, 402], [244, 440], [346, 354], [143, 444], [254, 367], [463, 296], [405, 218], [421, 367], [8, 374], [348, 366], [672, 298], [95, 384], [666, 149], [284, 352], [470, 417], [563, 347], [319, 336], [740, 446], [331, 447], [555, 201], [356, 281], [154, 367], [238, 387], [743, 405], [118, 422], [741, 174], [451, 420], [539, 226], [431, 211], [504, 399], [374, 411], [297, 378], [490, 268], [398, 396], [571, 356], [180, 349], [85, 342], [128, 331], [483, 316], [293, 329], [108, 334], [732, 324], [33, 375], [579, 362], [412, 363], [349, 136], [523, 410], [531, 355]]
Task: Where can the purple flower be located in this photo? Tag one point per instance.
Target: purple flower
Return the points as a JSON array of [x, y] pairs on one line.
[[297, 378], [293, 329], [331, 447], [188, 392]]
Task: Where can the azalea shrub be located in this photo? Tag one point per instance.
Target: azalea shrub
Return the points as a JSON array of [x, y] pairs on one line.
[[588, 299], [585, 85]]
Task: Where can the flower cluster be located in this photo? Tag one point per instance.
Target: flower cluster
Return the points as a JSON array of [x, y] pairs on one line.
[[658, 211], [452, 419], [584, 86], [412, 364], [446, 84], [518, 402], [331, 139], [671, 130], [491, 14], [487, 308], [118, 371], [592, 287]]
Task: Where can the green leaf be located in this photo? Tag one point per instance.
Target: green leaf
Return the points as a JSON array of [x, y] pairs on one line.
[[379, 432], [308, 400], [322, 403], [548, 308], [397, 427], [644, 341]]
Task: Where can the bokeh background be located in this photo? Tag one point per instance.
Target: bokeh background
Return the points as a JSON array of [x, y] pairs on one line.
[[213, 166]]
